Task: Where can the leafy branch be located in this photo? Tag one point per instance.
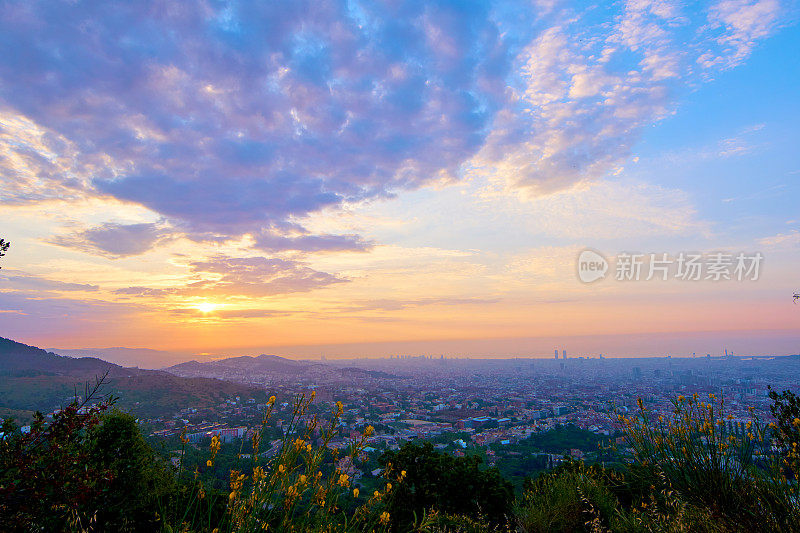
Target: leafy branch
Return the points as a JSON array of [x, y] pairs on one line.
[[4, 244]]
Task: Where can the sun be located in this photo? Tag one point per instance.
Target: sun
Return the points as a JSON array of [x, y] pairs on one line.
[[206, 307]]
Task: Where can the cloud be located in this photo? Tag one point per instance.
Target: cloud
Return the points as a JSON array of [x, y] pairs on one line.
[[782, 240], [38, 283], [254, 277], [242, 119], [271, 242], [230, 314], [141, 291], [27, 311], [584, 90], [231, 119], [115, 240], [397, 305], [739, 25]]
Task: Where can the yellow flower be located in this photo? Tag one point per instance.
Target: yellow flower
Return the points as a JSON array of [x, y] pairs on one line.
[[281, 469], [343, 480], [376, 494], [208, 463], [355, 493], [384, 517], [302, 478], [308, 448], [681, 398], [403, 474], [796, 422], [369, 431], [388, 487], [231, 496], [339, 407]]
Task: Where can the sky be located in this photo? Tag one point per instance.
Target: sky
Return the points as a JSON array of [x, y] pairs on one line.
[[372, 178]]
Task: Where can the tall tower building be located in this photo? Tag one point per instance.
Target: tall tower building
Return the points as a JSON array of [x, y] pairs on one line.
[[556, 353], [563, 354]]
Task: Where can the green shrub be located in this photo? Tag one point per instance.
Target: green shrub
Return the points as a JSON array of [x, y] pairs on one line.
[[451, 485], [570, 498]]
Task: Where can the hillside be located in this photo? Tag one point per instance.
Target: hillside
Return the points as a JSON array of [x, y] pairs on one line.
[[34, 379], [263, 364]]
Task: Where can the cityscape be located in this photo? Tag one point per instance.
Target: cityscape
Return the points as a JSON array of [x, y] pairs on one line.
[[399, 266]]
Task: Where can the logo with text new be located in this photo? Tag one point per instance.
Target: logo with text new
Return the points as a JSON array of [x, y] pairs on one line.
[[592, 266]]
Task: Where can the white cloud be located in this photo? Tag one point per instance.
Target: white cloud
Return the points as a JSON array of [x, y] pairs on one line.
[[739, 24]]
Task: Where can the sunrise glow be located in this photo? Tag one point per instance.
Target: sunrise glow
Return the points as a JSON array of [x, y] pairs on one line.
[[373, 180]]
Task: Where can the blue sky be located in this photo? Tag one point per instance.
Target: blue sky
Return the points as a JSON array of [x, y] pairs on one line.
[[227, 176]]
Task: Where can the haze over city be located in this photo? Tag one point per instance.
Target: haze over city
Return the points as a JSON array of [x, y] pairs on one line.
[[365, 180]]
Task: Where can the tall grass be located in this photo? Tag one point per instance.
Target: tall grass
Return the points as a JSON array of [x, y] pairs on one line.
[[700, 455], [294, 490]]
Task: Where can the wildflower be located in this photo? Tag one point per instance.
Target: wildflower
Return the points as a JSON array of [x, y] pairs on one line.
[[343, 480], [355, 493], [231, 496], [681, 398], [388, 487], [384, 517], [299, 443], [308, 448], [302, 478], [796, 422], [376, 494], [402, 474], [271, 400], [281, 469], [208, 463], [369, 431], [339, 407]]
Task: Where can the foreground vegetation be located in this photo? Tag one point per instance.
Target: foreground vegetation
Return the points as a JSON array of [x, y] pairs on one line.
[[89, 469]]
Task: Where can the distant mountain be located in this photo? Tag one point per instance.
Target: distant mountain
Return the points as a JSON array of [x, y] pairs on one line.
[[262, 364], [266, 368], [35, 379], [138, 357]]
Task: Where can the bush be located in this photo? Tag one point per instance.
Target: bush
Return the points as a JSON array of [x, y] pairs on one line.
[[702, 457], [570, 498], [451, 485], [297, 489], [48, 480]]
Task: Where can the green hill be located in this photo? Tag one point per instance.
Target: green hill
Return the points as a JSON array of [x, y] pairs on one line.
[[34, 379]]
